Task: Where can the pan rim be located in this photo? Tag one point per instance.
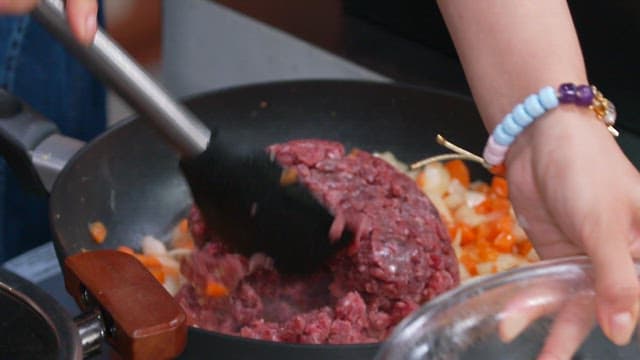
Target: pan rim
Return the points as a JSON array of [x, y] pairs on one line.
[[190, 99]]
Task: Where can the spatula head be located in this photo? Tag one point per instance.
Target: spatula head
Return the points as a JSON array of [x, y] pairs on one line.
[[240, 192]]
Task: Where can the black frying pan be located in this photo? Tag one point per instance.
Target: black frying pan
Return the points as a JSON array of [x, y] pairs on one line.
[[129, 179]]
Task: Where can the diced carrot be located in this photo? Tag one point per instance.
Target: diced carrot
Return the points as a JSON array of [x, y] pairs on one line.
[[500, 204], [493, 231], [524, 247], [421, 180], [216, 289], [98, 231], [171, 271], [186, 243], [482, 232], [125, 249], [467, 235], [458, 170], [183, 241], [492, 254], [469, 263], [504, 224], [504, 242], [499, 186], [453, 231], [149, 261], [289, 176], [486, 252], [483, 208], [498, 170], [157, 273], [481, 187], [183, 226]]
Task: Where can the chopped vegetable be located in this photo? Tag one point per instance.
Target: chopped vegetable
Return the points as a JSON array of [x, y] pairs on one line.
[[467, 235], [289, 176], [157, 273], [98, 231], [498, 170], [485, 234], [149, 261], [469, 263], [162, 263], [182, 238], [153, 246], [437, 179], [459, 171], [215, 289], [183, 226], [499, 186], [421, 180], [524, 248], [125, 249], [504, 242]]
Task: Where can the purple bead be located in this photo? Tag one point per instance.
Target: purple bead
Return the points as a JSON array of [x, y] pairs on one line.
[[584, 95], [567, 93]]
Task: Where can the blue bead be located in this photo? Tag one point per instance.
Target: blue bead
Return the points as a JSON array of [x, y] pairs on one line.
[[533, 107], [510, 127], [521, 116], [548, 98], [501, 137]]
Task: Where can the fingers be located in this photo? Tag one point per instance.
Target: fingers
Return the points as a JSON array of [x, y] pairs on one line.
[[17, 6], [616, 284], [573, 320], [82, 15], [527, 307], [570, 328], [83, 19]]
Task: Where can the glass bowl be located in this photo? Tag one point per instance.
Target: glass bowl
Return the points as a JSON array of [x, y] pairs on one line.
[[488, 318]]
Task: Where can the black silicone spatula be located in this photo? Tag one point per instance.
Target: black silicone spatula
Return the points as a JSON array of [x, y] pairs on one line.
[[237, 188]]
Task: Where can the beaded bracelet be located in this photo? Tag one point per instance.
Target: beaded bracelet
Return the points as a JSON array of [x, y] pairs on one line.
[[537, 105]]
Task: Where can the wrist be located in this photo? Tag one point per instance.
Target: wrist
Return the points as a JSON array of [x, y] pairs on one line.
[[549, 137], [537, 106]]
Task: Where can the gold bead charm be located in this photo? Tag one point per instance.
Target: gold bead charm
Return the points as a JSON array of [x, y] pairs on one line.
[[604, 110]]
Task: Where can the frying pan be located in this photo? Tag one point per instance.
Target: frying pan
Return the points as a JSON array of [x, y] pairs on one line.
[[129, 179]]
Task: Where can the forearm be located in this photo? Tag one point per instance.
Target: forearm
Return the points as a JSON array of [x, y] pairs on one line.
[[512, 48]]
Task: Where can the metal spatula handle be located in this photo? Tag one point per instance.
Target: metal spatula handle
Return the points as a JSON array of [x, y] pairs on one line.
[[107, 60]]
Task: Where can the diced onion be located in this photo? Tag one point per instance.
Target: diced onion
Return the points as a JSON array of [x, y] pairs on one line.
[[437, 179], [153, 246], [468, 216], [474, 198]]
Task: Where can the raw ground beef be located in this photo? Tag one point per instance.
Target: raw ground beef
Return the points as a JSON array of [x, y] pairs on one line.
[[399, 258]]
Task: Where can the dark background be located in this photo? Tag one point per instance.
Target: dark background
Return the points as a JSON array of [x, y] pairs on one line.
[[407, 40], [608, 31]]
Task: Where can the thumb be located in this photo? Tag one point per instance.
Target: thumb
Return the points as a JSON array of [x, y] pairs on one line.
[[16, 6], [83, 19], [617, 289]]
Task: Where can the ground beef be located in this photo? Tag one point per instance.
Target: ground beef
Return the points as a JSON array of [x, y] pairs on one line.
[[399, 258]]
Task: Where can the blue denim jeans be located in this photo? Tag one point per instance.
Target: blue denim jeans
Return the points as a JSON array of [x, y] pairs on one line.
[[36, 68]]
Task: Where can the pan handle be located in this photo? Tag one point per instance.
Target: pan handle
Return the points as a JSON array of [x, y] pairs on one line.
[[32, 145], [141, 319]]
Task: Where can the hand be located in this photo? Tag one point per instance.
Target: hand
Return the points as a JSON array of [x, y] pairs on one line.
[[82, 15], [573, 317], [575, 192]]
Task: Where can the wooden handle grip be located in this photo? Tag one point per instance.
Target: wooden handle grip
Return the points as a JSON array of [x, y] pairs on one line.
[[142, 319]]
